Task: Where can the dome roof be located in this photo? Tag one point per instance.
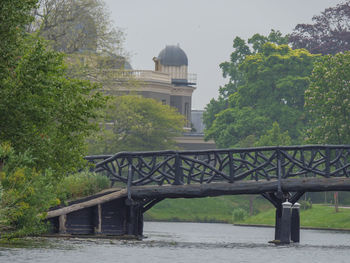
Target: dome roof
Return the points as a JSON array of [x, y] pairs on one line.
[[172, 56]]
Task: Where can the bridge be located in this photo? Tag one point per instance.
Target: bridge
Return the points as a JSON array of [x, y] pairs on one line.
[[142, 179]]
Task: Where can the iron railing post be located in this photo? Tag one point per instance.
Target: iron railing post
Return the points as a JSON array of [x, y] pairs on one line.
[[279, 172], [130, 177], [178, 180], [328, 157], [231, 166]]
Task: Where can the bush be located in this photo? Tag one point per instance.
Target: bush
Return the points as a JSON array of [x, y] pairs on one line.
[[25, 195], [305, 205], [239, 214], [81, 184]]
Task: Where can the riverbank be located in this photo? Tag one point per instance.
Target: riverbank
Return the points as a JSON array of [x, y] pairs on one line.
[[221, 210], [318, 217], [206, 210]]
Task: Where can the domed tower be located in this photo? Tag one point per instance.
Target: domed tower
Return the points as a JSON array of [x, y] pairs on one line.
[[173, 61]]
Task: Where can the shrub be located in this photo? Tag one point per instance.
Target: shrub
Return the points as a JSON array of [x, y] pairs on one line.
[[80, 185], [305, 205], [25, 195], [239, 214]]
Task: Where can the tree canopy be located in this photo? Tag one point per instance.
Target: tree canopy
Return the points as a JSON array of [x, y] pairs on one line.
[[274, 137], [328, 100], [134, 123], [275, 79], [329, 33], [231, 70], [76, 26], [42, 110]]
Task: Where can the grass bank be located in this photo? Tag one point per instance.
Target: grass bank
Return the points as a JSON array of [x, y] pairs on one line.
[[209, 209], [319, 216], [221, 209]]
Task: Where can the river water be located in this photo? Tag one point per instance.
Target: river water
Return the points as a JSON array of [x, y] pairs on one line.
[[187, 242]]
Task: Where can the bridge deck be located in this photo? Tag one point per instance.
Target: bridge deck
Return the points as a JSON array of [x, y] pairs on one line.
[[212, 189]]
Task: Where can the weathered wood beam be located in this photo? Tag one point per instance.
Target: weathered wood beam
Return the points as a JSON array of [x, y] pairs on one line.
[[98, 226], [62, 224], [241, 187], [86, 204]]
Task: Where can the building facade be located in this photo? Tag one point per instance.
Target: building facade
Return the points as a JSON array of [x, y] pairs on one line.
[[171, 84]]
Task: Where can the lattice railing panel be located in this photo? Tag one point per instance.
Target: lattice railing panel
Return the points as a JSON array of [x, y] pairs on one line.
[[229, 165]]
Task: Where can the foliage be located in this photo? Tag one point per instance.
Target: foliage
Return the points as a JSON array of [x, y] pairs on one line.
[[274, 83], [231, 69], [77, 25], [81, 184], [329, 33], [305, 205], [239, 214], [234, 124], [274, 137], [46, 112], [14, 15], [26, 195], [328, 100], [134, 123]]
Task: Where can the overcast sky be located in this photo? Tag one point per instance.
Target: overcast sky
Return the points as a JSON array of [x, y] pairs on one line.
[[205, 30]]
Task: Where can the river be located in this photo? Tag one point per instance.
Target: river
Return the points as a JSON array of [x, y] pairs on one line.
[[187, 242]]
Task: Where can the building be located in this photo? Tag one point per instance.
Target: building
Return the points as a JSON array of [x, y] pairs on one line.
[[171, 84]]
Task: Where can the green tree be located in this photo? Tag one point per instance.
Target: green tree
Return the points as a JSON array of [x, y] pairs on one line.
[[327, 100], [77, 25], [235, 124], [12, 25], [274, 137], [134, 123], [46, 112], [42, 110], [275, 79], [231, 70]]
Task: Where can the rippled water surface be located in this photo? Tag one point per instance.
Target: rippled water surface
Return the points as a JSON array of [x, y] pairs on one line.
[[188, 242]]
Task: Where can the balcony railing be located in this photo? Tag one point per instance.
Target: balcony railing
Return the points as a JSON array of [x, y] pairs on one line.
[[142, 75]]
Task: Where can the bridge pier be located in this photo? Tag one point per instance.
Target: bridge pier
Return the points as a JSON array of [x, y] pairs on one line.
[[134, 218], [287, 218], [295, 223]]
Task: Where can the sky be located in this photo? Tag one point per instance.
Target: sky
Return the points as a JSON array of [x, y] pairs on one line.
[[205, 30]]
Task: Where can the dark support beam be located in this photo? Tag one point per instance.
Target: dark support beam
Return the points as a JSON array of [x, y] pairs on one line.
[[98, 220], [296, 197], [140, 222], [276, 200], [278, 220], [295, 224], [286, 223], [62, 219], [150, 204], [134, 218], [131, 221]]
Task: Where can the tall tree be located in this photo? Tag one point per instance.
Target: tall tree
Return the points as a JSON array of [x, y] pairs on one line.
[[42, 110], [231, 70], [77, 25], [274, 137], [328, 100], [274, 83], [134, 123], [12, 24], [46, 112], [329, 33]]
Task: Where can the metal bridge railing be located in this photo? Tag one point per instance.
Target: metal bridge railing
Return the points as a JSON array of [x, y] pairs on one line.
[[225, 165]]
